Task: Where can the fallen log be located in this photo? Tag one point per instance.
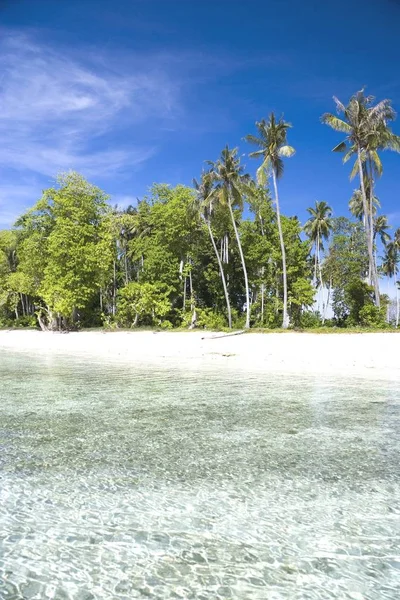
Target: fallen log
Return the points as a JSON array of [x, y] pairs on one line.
[[222, 335]]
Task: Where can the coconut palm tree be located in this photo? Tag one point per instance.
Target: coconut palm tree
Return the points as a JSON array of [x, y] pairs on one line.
[[318, 228], [381, 226], [365, 126], [229, 185], [273, 147], [356, 205], [390, 269], [380, 137], [204, 207]]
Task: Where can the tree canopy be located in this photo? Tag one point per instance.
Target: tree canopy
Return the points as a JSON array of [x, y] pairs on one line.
[[218, 254]]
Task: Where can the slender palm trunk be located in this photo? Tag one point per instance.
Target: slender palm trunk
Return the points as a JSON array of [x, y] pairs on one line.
[[126, 268], [114, 292], [397, 284], [246, 281], [371, 222], [262, 304], [285, 321], [221, 270], [320, 279], [315, 268], [374, 278], [328, 299]]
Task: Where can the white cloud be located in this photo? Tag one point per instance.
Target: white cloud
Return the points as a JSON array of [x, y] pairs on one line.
[[57, 110]]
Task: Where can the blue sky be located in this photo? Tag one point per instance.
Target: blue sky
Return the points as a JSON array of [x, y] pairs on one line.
[[131, 92]]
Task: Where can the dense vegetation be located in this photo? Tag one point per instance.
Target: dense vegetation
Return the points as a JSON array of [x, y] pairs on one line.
[[219, 254]]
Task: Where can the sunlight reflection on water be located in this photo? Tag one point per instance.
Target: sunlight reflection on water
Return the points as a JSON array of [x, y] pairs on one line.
[[131, 482]]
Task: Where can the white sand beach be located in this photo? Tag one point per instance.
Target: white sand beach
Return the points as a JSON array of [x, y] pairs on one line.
[[372, 355]]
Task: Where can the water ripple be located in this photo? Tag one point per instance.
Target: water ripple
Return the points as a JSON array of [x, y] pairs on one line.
[[122, 482]]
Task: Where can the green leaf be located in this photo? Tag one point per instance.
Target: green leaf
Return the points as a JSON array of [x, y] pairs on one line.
[[336, 123]]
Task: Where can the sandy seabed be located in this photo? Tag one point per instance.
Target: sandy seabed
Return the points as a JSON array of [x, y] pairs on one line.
[[372, 355]]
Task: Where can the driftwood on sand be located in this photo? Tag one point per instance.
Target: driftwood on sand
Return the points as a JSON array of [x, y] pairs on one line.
[[221, 335]]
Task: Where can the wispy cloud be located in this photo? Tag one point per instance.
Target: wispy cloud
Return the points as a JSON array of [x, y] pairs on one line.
[[66, 109], [56, 111]]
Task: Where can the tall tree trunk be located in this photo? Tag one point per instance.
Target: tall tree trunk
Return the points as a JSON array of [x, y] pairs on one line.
[[126, 268], [371, 221], [221, 270], [22, 304], [191, 287], [328, 299], [262, 304], [184, 293], [397, 284], [246, 281], [321, 280], [285, 321], [114, 294], [315, 266], [374, 278]]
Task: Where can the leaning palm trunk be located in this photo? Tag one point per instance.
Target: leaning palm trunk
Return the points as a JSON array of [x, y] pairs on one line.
[[374, 271], [397, 284], [285, 321], [221, 270], [246, 281], [374, 278]]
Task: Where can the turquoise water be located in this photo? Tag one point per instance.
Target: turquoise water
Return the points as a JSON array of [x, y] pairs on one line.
[[121, 482]]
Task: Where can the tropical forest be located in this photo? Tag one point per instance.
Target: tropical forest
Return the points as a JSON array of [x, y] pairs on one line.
[[218, 254]]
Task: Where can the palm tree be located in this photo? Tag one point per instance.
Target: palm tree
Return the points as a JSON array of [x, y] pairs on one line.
[[366, 130], [380, 228], [273, 147], [356, 205], [229, 185], [381, 137], [390, 269], [204, 206], [318, 228]]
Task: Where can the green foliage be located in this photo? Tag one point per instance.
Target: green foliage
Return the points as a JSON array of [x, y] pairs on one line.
[[143, 304], [354, 306], [310, 320], [209, 319], [188, 257]]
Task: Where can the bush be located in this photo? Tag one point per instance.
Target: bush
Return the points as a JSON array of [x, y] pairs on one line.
[[310, 320], [208, 319], [20, 323]]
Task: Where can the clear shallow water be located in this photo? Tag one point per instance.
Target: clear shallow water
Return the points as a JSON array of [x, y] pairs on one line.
[[119, 482]]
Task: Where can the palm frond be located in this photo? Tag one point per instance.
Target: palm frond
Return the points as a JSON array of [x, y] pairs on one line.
[[336, 123], [256, 154], [286, 151], [339, 105], [354, 171], [262, 175], [376, 162], [340, 147], [253, 139]]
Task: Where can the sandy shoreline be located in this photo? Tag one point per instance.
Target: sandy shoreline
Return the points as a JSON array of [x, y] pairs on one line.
[[371, 355]]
